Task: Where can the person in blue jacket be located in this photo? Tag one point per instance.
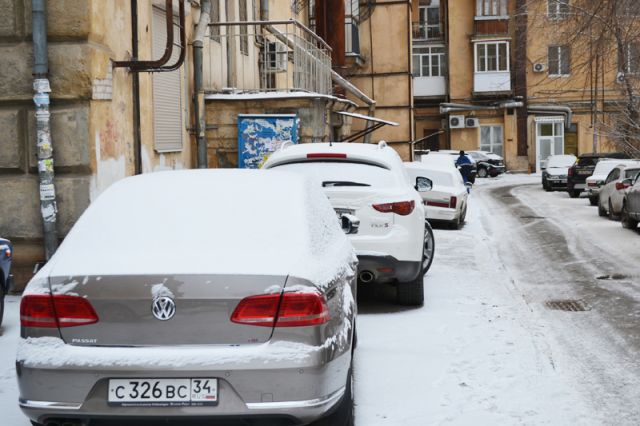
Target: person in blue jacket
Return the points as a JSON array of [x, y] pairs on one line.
[[464, 164]]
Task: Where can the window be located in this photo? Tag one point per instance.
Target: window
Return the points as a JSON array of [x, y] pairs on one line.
[[429, 25], [167, 90], [630, 58], [491, 139], [429, 61], [244, 36], [214, 32], [491, 8], [557, 9], [492, 57], [559, 60], [351, 22]]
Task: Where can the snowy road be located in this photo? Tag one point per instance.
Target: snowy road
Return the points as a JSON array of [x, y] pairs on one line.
[[485, 350]]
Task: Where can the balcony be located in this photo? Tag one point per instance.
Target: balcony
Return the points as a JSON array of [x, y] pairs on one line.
[[423, 31], [429, 87], [492, 82], [491, 25], [266, 56]]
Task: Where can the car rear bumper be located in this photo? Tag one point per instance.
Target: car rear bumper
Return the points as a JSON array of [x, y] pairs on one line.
[[297, 384], [388, 268], [441, 213], [557, 183]]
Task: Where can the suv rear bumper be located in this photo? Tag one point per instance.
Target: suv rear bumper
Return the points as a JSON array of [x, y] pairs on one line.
[[386, 268]]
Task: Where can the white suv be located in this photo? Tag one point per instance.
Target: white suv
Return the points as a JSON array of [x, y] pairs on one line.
[[394, 243]]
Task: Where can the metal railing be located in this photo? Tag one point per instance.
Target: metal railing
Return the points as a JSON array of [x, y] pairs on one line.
[[423, 31], [262, 56]]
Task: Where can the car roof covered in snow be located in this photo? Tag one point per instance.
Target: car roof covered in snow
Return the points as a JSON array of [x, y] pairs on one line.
[[380, 154], [207, 222]]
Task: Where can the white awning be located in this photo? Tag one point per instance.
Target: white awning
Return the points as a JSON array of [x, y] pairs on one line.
[[368, 118], [550, 119]]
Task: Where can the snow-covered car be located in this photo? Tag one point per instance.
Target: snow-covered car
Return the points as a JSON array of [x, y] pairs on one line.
[[488, 163], [613, 191], [600, 173], [630, 215], [394, 242], [205, 307], [447, 200], [6, 256], [554, 176]]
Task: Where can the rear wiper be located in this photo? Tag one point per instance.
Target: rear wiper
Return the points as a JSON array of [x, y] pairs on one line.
[[334, 183]]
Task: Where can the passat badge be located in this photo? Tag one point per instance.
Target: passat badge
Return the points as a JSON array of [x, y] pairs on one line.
[[163, 308]]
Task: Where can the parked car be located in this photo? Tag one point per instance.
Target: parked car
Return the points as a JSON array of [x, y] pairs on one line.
[[6, 255], [630, 214], [205, 307], [488, 163], [583, 168], [394, 243], [600, 173], [447, 200], [446, 157], [554, 176], [614, 189]]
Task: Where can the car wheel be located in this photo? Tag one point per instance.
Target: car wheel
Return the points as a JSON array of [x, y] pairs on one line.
[[627, 221], [612, 215], [429, 248], [342, 415], [1, 303], [601, 210], [482, 173], [593, 201], [411, 293], [574, 193]]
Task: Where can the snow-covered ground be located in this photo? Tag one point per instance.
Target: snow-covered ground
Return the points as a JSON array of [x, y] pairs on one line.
[[484, 350]]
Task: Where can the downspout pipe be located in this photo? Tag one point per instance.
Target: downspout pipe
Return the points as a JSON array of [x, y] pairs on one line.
[[550, 109], [44, 144], [199, 106], [446, 108]]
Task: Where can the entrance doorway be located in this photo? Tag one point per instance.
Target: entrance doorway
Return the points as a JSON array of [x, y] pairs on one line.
[[549, 139]]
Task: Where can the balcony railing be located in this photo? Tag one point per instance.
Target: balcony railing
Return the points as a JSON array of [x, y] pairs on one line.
[[424, 31], [260, 56]]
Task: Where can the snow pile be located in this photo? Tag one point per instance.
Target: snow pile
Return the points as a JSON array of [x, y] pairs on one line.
[[208, 222]]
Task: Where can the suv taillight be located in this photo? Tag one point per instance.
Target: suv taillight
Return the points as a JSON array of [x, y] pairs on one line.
[[403, 208], [570, 172], [288, 310], [453, 202], [620, 186], [50, 311]]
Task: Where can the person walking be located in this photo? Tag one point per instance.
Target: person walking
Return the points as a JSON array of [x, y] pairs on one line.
[[463, 163]]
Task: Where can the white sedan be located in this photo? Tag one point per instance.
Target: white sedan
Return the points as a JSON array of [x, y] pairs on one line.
[[447, 200]]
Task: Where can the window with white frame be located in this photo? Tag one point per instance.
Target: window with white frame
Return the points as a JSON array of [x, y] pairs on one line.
[[630, 58], [491, 8], [559, 60], [429, 61], [491, 139], [429, 25], [492, 56], [557, 9]]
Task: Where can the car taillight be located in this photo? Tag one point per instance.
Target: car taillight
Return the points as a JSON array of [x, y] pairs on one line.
[[453, 202], [403, 208], [326, 155], [570, 172], [288, 310], [50, 311], [7, 253], [620, 186]]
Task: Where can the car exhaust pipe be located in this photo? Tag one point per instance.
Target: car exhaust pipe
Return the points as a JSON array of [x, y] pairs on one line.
[[366, 276]]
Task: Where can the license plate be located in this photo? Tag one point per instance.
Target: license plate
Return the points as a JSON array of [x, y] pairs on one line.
[[584, 172], [340, 212], [163, 392]]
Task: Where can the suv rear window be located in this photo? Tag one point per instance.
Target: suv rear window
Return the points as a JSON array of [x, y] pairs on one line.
[[588, 161], [344, 174]]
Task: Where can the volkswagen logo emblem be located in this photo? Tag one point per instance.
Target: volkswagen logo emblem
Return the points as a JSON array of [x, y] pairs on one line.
[[163, 308]]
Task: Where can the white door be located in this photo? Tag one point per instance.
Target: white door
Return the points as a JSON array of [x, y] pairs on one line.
[[549, 141]]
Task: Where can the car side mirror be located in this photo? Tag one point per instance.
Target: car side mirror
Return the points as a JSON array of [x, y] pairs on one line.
[[349, 223], [423, 184]]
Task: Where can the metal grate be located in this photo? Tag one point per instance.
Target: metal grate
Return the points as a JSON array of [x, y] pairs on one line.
[[614, 277], [567, 305]]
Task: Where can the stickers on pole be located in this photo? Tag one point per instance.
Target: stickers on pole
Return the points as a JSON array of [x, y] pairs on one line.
[[45, 165], [47, 192], [41, 85]]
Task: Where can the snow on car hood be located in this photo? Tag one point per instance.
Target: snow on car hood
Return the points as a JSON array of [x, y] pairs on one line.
[[207, 222], [558, 171]]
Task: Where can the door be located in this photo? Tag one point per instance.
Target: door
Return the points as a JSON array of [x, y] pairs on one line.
[[549, 141]]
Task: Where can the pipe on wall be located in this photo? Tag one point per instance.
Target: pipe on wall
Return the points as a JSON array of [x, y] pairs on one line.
[[199, 106], [44, 143]]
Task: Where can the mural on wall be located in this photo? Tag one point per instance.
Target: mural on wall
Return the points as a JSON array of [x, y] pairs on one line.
[[261, 135]]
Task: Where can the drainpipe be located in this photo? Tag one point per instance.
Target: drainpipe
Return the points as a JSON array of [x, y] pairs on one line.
[[199, 107], [264, 10], [135, 88], [41, 88], [546, 109]]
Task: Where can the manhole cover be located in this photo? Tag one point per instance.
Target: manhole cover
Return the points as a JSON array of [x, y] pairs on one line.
[[567, 305], [612, 277], [532, 217]]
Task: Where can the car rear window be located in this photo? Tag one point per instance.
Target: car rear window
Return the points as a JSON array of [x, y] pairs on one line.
[[344, 174], [631, 173], [439, 178], [604, 168], [588, 161]]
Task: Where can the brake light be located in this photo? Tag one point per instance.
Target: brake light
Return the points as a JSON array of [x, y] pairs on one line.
[[403, 208], [570, 172], [326, 155], [622, 185], [50, 311], [7, 253], [288, 310], [453, 202]]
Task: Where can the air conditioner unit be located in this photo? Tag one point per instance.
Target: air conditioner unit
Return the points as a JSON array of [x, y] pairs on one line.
[[471, 122], [539, 67], [456, 121], [620, 78], [276, 57]]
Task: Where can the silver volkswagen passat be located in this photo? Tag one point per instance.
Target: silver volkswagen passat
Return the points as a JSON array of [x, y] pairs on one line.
[[208, 294]]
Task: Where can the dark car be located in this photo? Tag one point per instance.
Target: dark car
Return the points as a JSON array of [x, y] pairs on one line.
[[583, 168], [630, 215], [488, 164], [6, 254]]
